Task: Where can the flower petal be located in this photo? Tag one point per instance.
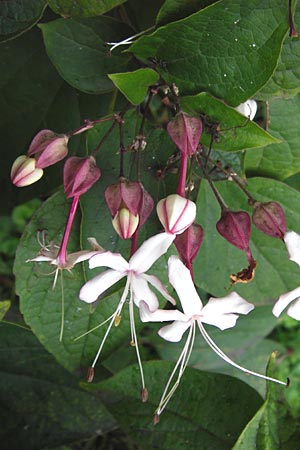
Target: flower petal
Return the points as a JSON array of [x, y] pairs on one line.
[[222, 321], [181, 280], [108, 259], [152, 249], [91, 290], [292, 242], [284, 300], [294, 310], [77, 257], [141, 291], [175, 331], [159, 315], [232, 303], [155, 282], [40, 258]]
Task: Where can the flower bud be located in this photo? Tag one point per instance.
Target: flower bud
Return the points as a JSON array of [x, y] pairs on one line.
[[235, 227], [125, 223], [185, 131], [176, 213], [48, 148], [269, 218], [24, 171], [124, 193], [188, 243], [247, 109], [80, 174]]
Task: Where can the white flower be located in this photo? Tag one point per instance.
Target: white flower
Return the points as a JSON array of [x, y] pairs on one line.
[[220, 312], [136, 284], [292, 242], [247, 109]]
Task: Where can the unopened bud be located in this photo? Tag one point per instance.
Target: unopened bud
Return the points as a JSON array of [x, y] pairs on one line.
[[79, 175], [125, 192], [24, 171], [185, 131], [144, 394], [125, 223], [235, 227], [176, 213], [48, 148], [188, 243], [90, 374], [269, 218]]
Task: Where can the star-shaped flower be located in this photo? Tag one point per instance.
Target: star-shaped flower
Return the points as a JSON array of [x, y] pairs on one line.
[[137, 285], [220, 312]]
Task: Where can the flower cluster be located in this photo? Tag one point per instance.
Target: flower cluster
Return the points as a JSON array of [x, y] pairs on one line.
[[130, 206]]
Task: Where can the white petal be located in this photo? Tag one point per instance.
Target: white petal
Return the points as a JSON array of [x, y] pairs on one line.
[[174, 332], [91, 290], [141, 291], [77, 257], [284, 300], [155, 282], [152, 249], [108, 259], [40, 258], [294, 310], [292, 242], [181, 280], [232, 303], [160, 315], [248, 109], [222, 321]]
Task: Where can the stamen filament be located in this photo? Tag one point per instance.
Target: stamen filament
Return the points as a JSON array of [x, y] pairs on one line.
[[128, 41], [223, 356], [95, 328]]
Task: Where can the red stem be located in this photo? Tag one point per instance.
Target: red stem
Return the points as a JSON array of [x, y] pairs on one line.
[[182, 175], [134, 242], [62, 253]]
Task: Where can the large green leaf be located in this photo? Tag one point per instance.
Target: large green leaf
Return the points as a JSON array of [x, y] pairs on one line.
[[42, 405], [134, 85], [236, 131], [77, 50], [173, 10], [279, 161], [42, 306], [222, 49], [83, 8], [218, 259], [16, 16], [244, 344], [207, 412]]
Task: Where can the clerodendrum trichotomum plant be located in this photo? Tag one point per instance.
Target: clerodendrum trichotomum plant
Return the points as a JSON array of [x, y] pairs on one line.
[[174, 131]]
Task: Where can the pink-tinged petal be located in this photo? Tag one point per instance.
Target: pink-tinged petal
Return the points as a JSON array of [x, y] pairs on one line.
[[108, 259], [181, 280], [175, 331], [77, 257], [222, 321], [40, 258], [141, 291], [40, 141], [160, 315], [284, 300], [152, 249], [91, 290], [294, 310], [155, 282], [232, 303], [292, 242]]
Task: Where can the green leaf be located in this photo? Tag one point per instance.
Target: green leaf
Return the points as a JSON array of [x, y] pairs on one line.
[[83, 8], [206, 412], [42, 306], [77, 50], [244, 344], [41, 404], [285, 80], [222, 49], [217, 258], [281, 160], [17, 17], [4, 307], [173, 10], [134, 85], [236, 131]]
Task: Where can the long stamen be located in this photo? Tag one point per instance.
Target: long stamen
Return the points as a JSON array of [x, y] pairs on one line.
[[181, 363], [223, 356], [127, 41], [95, 328], [116, 314], [134, 340]]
